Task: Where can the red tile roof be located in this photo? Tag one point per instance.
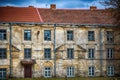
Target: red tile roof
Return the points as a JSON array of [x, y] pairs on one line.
[[18, 14], [76, 16], [31, 14]]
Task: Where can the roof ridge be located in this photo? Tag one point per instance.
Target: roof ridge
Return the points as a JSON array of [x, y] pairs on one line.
[[39, 15]]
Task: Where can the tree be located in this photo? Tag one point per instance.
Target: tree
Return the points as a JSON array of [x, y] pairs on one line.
[[114, 6]]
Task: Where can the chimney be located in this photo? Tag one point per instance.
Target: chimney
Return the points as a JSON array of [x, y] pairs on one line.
[[53, 6], [93, 8], [31, 6]]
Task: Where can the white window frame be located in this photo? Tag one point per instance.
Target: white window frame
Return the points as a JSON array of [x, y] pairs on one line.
[[91, 53], [110, 52], [91, 71], [110, 70], [70, 71], [47, 72], [2, 72]]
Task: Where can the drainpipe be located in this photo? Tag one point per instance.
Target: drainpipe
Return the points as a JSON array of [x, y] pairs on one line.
[[101, 57], [10, 48], [54, 50]]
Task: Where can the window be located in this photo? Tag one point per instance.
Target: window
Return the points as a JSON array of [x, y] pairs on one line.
[[91, 71], [91, 36], [109, 35], [3, 34], [91, 53], [70, 52], [70, 35], [27, 34], [47, 53], [110, 70], [3, 53], [47, 35], [47, 72], [110, 53], [27, 53], [2, 73], [70, 72]]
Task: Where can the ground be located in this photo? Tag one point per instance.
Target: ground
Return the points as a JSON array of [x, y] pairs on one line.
[[77, 78]]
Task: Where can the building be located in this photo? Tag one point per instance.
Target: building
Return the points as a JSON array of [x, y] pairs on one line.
[[42, 42]]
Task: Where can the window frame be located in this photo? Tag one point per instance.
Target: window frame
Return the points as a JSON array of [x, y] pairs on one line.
[[91, 71], [3, 72], [3, 52], [48, 72], [70, 53], [110, 70], [3, 33], [27, 35], [91, 53], [70, 35], [109, 36], [47, 55], [28, 54], [70, 71], [46, 33], [110, 52], [91, 35]]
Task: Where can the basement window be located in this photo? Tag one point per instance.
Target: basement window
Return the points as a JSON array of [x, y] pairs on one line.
[[91, 71], [47, 35], [91, 36], [2, 73], [3, 53], [70, 35], [110, 70], [3, 34], [47, 72], [27, 34], [70, 72]]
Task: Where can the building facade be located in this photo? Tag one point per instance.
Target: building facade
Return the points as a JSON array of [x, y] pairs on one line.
[[37, 42]]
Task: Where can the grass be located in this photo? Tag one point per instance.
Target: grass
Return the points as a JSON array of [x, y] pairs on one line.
[[75, 78]]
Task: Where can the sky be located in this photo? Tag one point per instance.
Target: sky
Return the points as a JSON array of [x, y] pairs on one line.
[[72, 4]]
